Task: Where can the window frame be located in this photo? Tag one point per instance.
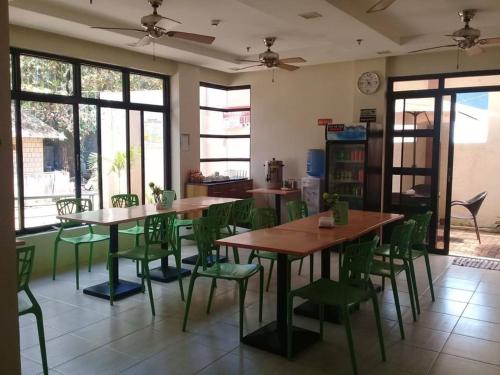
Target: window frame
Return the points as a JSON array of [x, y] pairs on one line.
[[17, 96], [226, 110]]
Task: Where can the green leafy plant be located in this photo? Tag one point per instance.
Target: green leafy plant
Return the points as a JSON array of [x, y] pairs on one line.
[[330, 199], [156, 191]]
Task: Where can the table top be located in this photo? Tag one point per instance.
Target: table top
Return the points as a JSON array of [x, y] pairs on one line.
[[203, 202], [360, 223], [281, 241], [273, 191]]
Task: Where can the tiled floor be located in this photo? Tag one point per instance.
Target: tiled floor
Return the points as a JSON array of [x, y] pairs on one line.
[[457, 334], [465, 243]]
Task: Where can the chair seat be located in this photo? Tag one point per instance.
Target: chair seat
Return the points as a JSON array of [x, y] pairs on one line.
[[230, 271], [86, 238], [381, 268], [183, 222], [139, 252], [24, 304], [385, 250], [274, 256], [135, 230], [332, 293]]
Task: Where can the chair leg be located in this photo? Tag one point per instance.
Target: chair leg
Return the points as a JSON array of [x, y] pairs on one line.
[[300, 265], [77, 266], [269, 275], [41, 339], [321, 320], [477, 230], [414, 285], [379, 324], [410, 292], [54, 260], [383, 277], [236, 255], [148, 281], [111, 282], [188, 302], [289, 313], [347, 323], [177, 257], [90, 256], [241, 285], [211, 295], [261, 291], [143, 275], [429, 275], [398, 307], [311, 268]]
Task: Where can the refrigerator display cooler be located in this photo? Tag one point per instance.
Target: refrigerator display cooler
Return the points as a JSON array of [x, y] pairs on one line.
[[354, 164]]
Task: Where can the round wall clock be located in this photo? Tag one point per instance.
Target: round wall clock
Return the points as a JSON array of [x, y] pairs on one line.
[[368, 83]]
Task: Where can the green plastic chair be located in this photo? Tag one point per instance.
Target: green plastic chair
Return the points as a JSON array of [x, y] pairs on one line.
[[71, 206], [26, 302], [401, 238], [159, 244], [354, 287], [206, 231], [241, 221], [220, 214], [298, 210], [418, 249], [265, 217]]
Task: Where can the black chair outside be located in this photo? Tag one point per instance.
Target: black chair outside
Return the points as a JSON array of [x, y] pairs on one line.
[[472, 205]]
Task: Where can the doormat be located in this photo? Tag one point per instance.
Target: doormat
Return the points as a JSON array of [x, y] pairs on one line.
[[487, 264]]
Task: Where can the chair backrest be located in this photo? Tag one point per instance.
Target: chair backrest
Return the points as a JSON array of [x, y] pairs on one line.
[[241, 211], [263, 217], [71, 206], [422, 224], [25, 258], [297, 210], [474, 204], [357, 263], [401, 239], [159, 229], [220, 214], [206, 231], [124, 200]]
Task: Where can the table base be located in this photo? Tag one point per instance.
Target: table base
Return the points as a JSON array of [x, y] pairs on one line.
[[333, 314], [123, 289], [167, 274], [210, 259], [267, 338]]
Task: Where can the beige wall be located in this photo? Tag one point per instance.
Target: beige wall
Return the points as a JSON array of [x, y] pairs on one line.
[[9, 343]]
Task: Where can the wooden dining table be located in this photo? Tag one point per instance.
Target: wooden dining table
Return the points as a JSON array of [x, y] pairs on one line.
[[301, 237], [112, 217]]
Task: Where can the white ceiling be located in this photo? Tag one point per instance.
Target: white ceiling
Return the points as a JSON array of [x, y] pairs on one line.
[[407, 25]]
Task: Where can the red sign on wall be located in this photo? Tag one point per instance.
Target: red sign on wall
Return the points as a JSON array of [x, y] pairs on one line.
[[324, 121]]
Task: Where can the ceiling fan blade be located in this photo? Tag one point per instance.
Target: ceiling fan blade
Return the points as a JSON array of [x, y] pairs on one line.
[[290, 68], [380, 5], [490, 41], [474, 50], [142, 42], [191, 37], [427, 49], [293, 60], [246, 67], [245, 60], [171, 19], [116, 28]]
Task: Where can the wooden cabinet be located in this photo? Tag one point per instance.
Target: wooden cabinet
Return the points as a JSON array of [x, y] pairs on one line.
[[227, 189]]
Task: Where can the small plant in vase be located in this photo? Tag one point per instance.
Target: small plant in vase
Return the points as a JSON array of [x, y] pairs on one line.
[[338, 208], [156, 191], [331, 200]]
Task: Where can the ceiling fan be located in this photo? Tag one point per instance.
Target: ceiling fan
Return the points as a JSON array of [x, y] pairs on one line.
[[380, 6], [271, 59], [150, 26], [466, 38]]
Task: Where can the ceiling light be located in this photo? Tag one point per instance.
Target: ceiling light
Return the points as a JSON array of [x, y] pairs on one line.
[[310, 15]]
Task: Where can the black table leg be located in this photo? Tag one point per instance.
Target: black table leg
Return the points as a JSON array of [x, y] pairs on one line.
[[122, 288], [166, 273], [277, 207], [273, 336]]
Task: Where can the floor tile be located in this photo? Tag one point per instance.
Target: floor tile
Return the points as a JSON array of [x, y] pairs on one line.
[[453, 294], [451, 365], [478, 328], [432, 320], [106, 330], [486, 299], [488, 314], [473, 348]]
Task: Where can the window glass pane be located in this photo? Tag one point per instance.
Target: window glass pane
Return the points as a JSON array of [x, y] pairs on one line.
[[46, 76], [48, 159], [421, 84], [215, 98], [114, 154], [417, 152], [100, 83], [473, 113], [10, 66], [474, 81], [411, 114], [14, 162], [146, 89], [153, 151], [89, 163], [224, 123], [224, 148], [238, 98], [135, 153], [232, 169]]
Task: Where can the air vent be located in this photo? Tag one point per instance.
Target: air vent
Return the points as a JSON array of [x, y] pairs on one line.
[[310, 15], [383, 52]]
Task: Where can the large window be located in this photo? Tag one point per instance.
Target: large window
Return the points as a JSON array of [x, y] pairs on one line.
[[225, 131], [81, 129]]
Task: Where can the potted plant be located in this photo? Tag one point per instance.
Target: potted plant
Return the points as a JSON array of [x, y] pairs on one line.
[[339, 209], [157, 192]]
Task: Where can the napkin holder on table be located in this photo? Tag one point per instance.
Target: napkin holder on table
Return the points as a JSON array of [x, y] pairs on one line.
[[326, 222]]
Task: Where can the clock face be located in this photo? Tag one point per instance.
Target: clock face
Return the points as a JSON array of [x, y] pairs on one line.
[[368, 83]]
